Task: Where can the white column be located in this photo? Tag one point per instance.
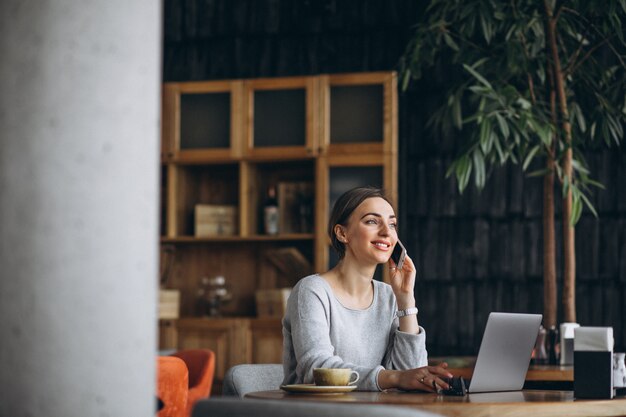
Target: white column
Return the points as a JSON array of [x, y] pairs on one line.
[[79, 168]]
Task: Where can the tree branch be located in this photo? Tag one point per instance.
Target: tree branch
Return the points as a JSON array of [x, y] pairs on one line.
[[567, 71], [590, 25], [558, 8], [575, 55], [531, 84]]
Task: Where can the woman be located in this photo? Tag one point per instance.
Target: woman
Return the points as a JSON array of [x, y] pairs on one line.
[[343, 318]]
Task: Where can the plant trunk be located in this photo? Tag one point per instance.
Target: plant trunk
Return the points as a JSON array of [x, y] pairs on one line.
[[549, 236], [549, 248], [569, 254]]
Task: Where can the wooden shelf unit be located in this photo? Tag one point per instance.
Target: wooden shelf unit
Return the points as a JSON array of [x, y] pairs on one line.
[[225, 143]]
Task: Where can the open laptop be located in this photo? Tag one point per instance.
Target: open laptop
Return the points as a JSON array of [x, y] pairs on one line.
[[505, 352]]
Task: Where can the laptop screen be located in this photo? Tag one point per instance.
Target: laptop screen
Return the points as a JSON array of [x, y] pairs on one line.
[[505, 352]]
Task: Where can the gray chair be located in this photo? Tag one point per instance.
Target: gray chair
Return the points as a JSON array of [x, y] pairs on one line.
[[242, 379], [237, 407]]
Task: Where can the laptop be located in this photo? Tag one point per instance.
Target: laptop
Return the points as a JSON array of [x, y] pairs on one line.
[[504, 353]]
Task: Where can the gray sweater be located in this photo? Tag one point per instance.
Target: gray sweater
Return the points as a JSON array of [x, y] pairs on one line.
[[319, 332]]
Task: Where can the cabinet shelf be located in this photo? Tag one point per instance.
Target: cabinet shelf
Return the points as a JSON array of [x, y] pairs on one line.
[[194, 157], [252, 238]]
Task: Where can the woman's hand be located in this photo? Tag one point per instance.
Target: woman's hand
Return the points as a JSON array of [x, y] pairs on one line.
[[426, 378], [402, 282]]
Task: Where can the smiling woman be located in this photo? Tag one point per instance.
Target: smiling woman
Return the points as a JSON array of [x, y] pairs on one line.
[[343, 318]]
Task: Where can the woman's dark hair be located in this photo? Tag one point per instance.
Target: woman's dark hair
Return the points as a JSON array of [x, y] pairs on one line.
[[343, 208]]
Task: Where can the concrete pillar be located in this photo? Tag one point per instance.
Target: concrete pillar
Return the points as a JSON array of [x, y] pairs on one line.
[[79, 164]]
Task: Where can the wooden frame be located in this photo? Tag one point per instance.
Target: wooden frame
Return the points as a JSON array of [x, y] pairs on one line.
[[389, 141], [172, 120], [309, 149]]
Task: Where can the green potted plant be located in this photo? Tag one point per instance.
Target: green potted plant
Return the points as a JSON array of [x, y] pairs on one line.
[[536, 81]]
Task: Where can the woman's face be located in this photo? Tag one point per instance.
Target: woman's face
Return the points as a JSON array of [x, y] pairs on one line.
[[371, 231]]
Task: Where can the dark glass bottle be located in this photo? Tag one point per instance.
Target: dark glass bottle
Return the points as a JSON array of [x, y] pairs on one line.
[[270, 213], [552, 345]]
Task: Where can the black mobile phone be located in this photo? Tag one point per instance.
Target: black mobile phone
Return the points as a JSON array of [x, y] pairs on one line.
[[398, 254]]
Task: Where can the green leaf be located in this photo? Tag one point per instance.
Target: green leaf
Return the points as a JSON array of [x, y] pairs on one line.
[[580, 118], [579, 167], [496, 143], [589, 205], [577, 209], [559, 170], [593, 130], [480, 62], [451, 169], [509, 33], [486, 139], [478, 76], [486, 27], [595, 183], [616, 127], [504, 127], [539, 173], [479, 168], [450, 42], [523, 103], [544, 132], [406, 78], [530, 157], [463, 172]]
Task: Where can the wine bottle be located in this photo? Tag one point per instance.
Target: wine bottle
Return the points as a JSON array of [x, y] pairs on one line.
[[270, 212]]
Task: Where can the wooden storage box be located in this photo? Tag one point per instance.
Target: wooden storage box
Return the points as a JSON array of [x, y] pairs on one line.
[[215, 220], [272, 303], [169, 304]]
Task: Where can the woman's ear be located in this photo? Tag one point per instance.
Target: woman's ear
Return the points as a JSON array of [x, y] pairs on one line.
[[340, 232]]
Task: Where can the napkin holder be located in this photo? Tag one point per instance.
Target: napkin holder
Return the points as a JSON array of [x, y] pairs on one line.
[[593, 362]]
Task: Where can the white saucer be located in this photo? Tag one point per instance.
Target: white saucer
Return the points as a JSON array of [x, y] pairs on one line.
[[312, 388]]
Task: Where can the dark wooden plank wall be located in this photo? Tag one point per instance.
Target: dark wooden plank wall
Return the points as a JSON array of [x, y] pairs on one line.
[[476, 252]]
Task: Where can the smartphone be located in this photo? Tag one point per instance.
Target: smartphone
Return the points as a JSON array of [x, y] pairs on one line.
[[398, 254]]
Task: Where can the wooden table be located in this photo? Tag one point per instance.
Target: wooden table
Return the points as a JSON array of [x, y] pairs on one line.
[[538, 377], [501, 404], [464, 366]]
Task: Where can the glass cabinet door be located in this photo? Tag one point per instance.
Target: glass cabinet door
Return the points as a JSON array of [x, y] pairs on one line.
[[281, 118], [358, 113], [202, 120]]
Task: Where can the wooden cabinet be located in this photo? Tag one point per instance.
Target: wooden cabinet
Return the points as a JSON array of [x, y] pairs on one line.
[[266, 341], [234, 341], [225, 143]]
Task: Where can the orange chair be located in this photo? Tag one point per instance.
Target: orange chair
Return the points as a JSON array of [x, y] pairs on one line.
[[172, 386], [201, 365]]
